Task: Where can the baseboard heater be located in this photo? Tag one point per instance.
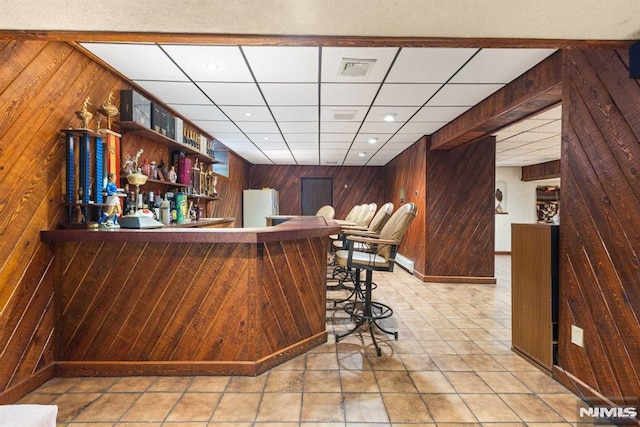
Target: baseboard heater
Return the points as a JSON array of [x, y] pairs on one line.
[[405, 263]]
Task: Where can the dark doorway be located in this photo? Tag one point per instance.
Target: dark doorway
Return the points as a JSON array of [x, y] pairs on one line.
[[316, 192]]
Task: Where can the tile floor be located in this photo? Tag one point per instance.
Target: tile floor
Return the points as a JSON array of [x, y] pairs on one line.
[[450, 366]]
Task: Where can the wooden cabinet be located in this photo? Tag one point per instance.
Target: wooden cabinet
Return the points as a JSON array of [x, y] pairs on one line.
[[534, 292]]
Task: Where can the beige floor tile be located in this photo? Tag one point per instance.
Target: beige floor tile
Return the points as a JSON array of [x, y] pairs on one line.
[[285, 381], [364, 408], [247, 384], [358, 382], [71, 404], [58, 385], [93, 385], [322, 407], [493, 347], [354, 360], [465, 347], [322, 361], [38, 399], [448, 408], [431, 382], [237, 407], [450, 362], [93, 424], [208, 384], [406, 408], [386, 362], [108, 407], [539, 382], [418, 362], [296, 364], [406, 346], [131, 384], [176, 384], [489, 408], [219, 424], [151, 407], [531, 408], [482, 362], [513, 363], [503, 382], [450, 334], [436, 347], [281, 407], [195, 407], [467, 382], [395, 382], [565, 404], [321, 381]]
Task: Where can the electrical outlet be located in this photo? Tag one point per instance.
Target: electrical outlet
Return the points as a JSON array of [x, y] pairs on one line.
[[577, 336]]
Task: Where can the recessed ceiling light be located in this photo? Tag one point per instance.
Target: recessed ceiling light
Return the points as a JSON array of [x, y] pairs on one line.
[[361, 154], [247, 114], [212, 66], [266, 138], [389, 117], [372, 140]]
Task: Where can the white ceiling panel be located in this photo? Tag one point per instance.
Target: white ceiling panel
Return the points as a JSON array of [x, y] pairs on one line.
[[526, 125], [199, 112], [283, 63], [265, 137], [513, 62], [428, 65], [554, 113], [228, 137], [290, 93], [175, 92], [299, 127], [347, 94], [332, 57], [553, 127], [463, 94], [335, 113], [380, 138], [438, 114], [339, 127], [263, 145], [406, 94], [258, 127], [421, 128], [527, 137], [301, 137], [249, 113], [298, 114], [137, 61], [210, 63], [303, 145], [305, 153], [335, 146], [240, 146], [336, 137], [406, 137], [233, 93], [402, 114], [216, 128], [280, 156], [380, 127]]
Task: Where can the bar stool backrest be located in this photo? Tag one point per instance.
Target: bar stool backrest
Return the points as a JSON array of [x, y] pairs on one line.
[[381, 217], [366, 214], [327, 211], [396, 227]]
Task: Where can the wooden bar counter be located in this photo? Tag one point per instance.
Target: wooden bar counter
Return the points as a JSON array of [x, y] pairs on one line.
[[189, 301]]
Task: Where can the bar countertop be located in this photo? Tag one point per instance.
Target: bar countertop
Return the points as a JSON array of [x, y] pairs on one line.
[[296, 227]]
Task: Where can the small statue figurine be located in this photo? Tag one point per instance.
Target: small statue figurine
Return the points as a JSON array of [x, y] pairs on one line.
[[108, 110], [84, 114], [173, 176], [113, 204], [215, 182]]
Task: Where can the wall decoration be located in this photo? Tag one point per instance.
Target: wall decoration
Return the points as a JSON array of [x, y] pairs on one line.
[[501, 197], [548, 204]]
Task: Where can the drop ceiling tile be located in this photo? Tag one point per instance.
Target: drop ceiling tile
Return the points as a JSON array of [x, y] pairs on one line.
[[428, 65], [298, 127], [280, 156], [406, 137], [217, 127], [397, 146], [304, 145], [421, 128], [526, 125], [301, 137], [337, 137], [348, 94], [554, 113], [283, 63], [265, 137], [380, 127], [304, 153], [335, 146], [405, 94], [175, 92], [339, 127], [380, 138], [290, 93], [365, 146], [233, 93], [264, 146], [296, 114], [137, 61], [358, 161], [553, 127], [258, 127], [199, 112], [463, 94], [438, 114], [527, 137], [335, 113], [513, 62], [502, 135], [240, 146], [228, 137], [333, 56], [402, 114], [210, 63], [247, 113]]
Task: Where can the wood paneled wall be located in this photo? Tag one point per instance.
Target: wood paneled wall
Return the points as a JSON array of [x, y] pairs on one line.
[[352, 185], [600, 223], [460, 210], [230, 190], [409, 171], [42, 84]]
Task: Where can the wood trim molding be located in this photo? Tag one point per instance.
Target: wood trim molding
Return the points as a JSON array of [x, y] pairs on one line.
[[298, 40], [16, 392], [460, 279], [535, 91], [502, 252], [544, 170]]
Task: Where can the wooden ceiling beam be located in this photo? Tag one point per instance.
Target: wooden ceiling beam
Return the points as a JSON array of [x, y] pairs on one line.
[[539, 171], [537, 90]]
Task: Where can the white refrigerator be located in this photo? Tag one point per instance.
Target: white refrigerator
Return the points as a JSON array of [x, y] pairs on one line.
[[257, 205]]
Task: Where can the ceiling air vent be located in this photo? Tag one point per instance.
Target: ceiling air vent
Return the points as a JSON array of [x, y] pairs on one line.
[[331, 162], [352, 67], [344, 114]]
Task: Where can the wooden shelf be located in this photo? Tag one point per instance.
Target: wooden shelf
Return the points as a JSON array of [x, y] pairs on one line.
[[162, 139], [157, 181], [201, 197]]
